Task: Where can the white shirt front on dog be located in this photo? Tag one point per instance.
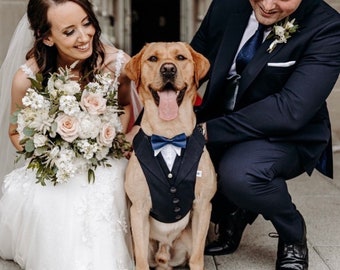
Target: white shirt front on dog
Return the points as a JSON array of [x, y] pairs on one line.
[[169, 153]]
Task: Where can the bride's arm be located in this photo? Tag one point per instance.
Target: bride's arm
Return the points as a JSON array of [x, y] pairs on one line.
[[20, 84], [124, 89], [124, 98]]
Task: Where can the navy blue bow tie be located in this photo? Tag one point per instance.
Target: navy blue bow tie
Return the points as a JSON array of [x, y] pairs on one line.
[[158, 142]]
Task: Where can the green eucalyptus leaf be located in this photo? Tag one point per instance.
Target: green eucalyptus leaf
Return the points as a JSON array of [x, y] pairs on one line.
[[29, 132], [29, 146]]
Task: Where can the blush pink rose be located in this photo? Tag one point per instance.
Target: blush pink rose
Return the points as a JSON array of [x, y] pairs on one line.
[[106, 135], [68, 127], [93, 103]]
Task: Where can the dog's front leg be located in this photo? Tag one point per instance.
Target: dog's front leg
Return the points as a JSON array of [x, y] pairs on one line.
[[204, 191], [140, 230], [200, 226], [138, 192]]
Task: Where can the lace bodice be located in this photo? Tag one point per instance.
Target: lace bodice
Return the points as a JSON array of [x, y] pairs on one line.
[[26, 69]]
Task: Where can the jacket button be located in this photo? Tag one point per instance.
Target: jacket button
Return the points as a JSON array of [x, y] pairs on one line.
[[173, 190], [177, 209], [175, 200], [178, 217]]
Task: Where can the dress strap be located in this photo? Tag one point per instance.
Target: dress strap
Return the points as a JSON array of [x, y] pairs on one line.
[[27, 71], [118, 68]]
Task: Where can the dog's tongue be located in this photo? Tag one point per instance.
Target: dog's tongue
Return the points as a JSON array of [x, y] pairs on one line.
[[168, 107]]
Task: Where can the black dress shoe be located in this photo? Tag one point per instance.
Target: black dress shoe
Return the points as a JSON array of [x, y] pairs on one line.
[[293, 256], [230, 233]]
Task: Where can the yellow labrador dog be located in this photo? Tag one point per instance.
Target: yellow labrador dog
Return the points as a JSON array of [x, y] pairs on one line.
[[170, 178]]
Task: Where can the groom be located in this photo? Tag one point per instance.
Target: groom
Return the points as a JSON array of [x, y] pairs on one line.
[[264, 112]]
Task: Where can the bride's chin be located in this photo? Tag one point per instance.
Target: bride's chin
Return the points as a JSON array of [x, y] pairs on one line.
[[84, 54]]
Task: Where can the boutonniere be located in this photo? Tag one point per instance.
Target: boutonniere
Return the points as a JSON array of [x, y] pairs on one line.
[[282, 32]]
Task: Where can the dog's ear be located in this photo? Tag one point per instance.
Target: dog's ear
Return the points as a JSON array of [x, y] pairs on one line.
[[201, 63], [133, 67]]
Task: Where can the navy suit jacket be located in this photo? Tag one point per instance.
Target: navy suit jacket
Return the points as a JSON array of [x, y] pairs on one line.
[[278, 103]]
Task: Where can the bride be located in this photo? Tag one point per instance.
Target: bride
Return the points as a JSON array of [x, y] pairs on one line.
[[72, 225]]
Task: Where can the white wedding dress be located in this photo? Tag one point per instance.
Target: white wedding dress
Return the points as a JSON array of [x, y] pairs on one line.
[[70, 226]]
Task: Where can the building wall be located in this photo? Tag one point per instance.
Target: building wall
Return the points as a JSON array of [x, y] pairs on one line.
[[11, 12]]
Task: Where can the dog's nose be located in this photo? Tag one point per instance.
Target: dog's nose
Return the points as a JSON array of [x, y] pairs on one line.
[[168, 70]]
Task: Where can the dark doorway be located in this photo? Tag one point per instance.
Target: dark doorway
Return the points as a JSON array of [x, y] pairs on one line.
[[154, 20]]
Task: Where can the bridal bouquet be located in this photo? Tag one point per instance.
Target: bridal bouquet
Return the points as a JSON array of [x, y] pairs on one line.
[[66, 129]]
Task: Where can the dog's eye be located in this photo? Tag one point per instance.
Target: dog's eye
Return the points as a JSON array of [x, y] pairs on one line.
[[153, 58], [181, 57]]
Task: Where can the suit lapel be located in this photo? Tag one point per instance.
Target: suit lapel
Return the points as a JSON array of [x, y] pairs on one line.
[[231, 39], [251, 71], [192, 155], [145, 155]]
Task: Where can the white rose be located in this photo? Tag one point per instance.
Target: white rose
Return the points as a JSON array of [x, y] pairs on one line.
[[39, 140], [89, 125], [58, 84], [71, 88]]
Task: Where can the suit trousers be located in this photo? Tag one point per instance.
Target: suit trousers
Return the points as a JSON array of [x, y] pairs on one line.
[[252, 175]]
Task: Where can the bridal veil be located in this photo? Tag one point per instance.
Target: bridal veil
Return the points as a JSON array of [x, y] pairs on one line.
[[21, 42]]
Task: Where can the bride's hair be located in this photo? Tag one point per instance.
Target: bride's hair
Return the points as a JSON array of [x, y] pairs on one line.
[[45, 56]]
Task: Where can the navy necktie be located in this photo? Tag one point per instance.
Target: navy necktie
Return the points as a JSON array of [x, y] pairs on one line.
[[248, 50], [158, 142]]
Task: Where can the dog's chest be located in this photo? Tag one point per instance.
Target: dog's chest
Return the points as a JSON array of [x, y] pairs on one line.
[[172, 191]]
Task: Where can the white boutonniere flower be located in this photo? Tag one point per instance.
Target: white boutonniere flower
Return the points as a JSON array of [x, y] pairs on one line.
[[282, 32]]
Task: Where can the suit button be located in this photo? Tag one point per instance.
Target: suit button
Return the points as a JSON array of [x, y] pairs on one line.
[[175, 200], [177, 209], [173, 190], [178, 217]]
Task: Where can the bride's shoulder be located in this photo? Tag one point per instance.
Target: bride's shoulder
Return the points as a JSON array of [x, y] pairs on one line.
[[114, 57], [29, 68]]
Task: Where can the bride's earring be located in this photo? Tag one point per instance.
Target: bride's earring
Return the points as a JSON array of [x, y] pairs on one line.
[[48, 43]]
